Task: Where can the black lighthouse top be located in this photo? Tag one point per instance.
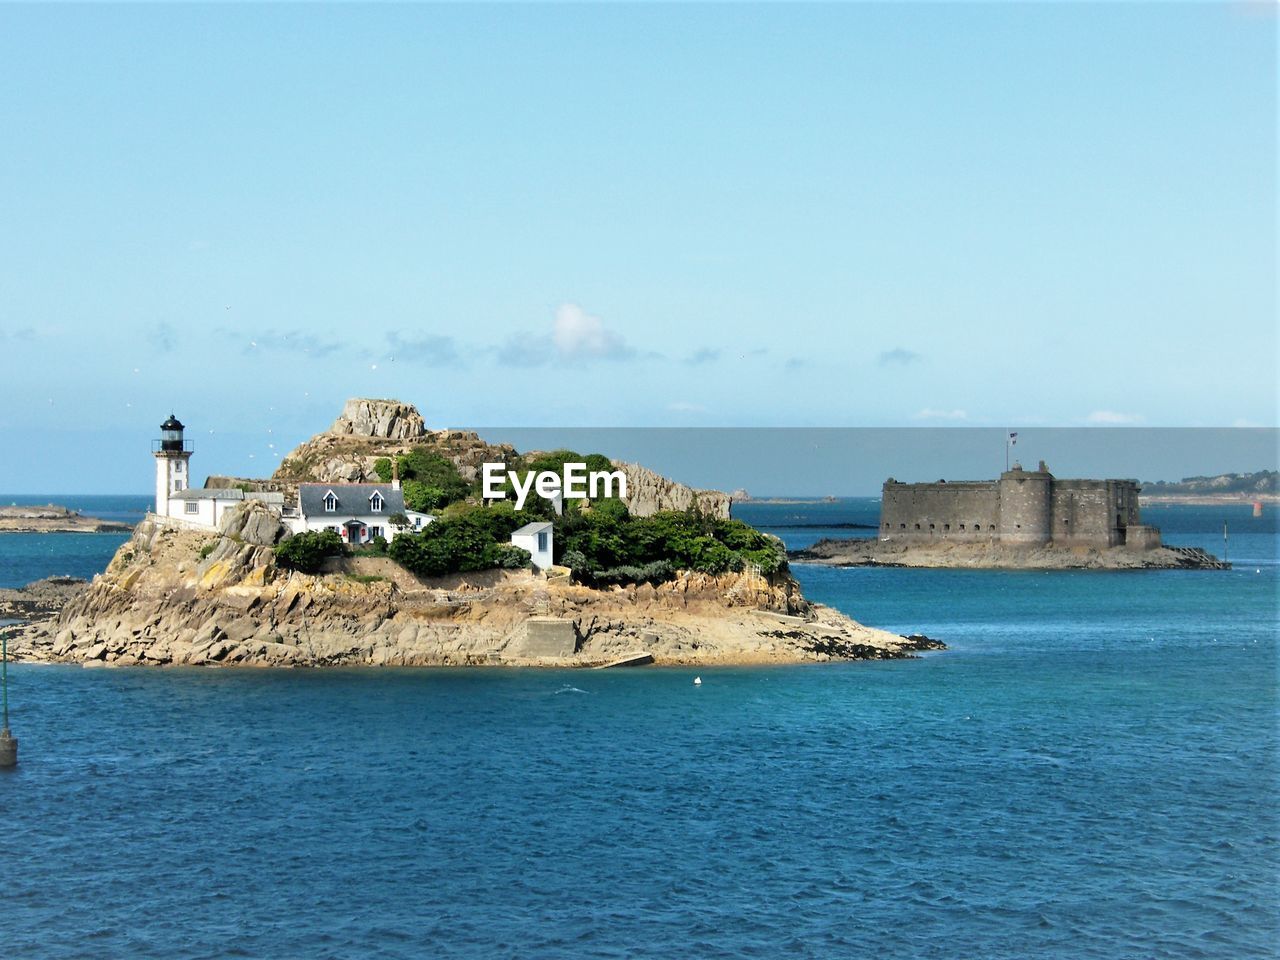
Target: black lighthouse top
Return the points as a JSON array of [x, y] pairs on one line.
[[171, 434]]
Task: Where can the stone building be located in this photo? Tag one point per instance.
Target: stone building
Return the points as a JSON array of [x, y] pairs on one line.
[[1023, 507]]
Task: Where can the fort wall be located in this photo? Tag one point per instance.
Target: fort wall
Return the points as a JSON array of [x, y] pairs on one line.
[[939, 511], [1028, 507]]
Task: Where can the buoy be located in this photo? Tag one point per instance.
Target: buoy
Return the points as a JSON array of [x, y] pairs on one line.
[[8, 749], [697, 681], [1257, 508], [8, 742]]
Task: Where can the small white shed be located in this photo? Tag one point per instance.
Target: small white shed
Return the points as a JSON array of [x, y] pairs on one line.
[[536, 538]]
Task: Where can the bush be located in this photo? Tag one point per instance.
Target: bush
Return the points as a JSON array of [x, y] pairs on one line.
[[306, 552], [508, 556], [455, 545], [656, 572], [608, 538]]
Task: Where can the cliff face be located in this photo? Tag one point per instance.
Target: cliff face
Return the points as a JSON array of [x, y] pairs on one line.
[[649, 492], [175, 596]]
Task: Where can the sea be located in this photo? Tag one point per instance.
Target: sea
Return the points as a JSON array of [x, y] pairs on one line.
[[1088, 771]]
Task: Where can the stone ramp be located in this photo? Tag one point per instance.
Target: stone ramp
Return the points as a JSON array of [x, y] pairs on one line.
[[1198, 558], [638, 659]]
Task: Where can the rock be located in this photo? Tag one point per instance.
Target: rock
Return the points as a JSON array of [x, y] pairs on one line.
[[389, 419], [649, 492], [253, 522]]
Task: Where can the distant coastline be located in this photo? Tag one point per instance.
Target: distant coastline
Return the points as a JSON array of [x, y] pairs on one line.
[[52, 518]]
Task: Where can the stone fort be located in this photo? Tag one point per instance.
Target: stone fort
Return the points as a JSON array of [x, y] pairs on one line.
[[1023, 507]]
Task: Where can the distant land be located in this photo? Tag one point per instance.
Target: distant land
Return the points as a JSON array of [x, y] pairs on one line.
[[52, 518], [1260, 485]]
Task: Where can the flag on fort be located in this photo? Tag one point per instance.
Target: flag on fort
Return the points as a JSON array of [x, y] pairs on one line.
[[1013, 439]]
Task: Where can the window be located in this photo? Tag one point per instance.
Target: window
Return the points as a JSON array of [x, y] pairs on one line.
[[542, 542], [375, 532], [190, 506], [331, 529], [177, 467], [417, 521], [330, 502], [375, 503]]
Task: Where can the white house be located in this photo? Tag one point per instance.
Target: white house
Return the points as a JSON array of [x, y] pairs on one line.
[[536, 538], [206, 507], [357, 512]]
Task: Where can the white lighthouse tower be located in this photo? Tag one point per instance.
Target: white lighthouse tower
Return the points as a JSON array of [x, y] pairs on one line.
[[173, 455]]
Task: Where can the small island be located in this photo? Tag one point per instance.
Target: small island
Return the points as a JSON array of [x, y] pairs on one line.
[[1027, 519], [377, 543], [52, 518]]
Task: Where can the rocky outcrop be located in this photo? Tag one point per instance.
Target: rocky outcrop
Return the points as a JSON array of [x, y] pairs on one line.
[[999, 556], [174, 596], [41, 598], [255, 523], [387, 419], [649, 492]]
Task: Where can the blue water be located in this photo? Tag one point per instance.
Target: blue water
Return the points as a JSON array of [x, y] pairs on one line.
[[31, 556], [1089, 772]]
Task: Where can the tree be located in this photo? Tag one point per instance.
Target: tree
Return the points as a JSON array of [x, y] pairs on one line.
[[307, 551]]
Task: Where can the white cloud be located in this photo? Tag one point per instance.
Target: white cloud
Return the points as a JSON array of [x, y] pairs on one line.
[[575, 336], [1110, 418], [681, 406], [578, 334], [929, 413]]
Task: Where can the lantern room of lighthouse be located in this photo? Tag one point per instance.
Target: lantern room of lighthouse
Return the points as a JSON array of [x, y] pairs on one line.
[[173, 466]]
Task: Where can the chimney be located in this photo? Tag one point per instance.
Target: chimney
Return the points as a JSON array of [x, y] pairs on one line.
[[395, 473]]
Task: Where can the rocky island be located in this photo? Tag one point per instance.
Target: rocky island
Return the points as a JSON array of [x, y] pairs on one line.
[[1027, 519], [52, 518], [700, 588]]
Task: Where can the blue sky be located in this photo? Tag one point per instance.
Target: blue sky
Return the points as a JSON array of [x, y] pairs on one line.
[[834, 215]]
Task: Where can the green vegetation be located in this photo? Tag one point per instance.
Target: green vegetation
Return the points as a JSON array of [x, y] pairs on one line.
[[599, 540], [429, 481], [365, 577], [607, 545], [207, 549], [473, 540], [306, 552]]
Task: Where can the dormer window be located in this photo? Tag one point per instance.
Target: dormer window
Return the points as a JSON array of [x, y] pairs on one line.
[[375, 502], [330, 502]]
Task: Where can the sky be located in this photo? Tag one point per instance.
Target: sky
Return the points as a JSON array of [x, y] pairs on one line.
[[777, 215]]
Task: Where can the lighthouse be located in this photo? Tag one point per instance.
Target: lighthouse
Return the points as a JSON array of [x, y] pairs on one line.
[[173, 456]]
